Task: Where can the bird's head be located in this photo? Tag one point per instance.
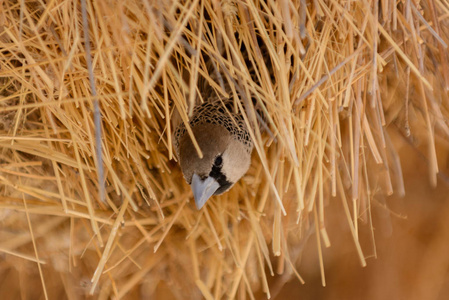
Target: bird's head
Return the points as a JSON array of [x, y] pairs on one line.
[[225, 160]]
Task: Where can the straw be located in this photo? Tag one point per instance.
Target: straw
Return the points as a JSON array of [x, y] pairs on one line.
[[92, 91]]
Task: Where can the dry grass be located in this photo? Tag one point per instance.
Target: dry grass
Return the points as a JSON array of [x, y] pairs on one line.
[[343, 73]]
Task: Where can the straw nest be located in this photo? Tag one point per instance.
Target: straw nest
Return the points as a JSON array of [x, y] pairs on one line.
[[121, 222]]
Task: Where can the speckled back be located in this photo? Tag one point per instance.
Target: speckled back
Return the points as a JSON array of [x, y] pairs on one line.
[[215, 110], [220, 113]]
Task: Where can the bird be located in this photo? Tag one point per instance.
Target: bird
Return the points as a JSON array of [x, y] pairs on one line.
[[224, 139]]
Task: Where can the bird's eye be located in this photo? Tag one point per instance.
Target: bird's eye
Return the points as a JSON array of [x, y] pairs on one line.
[[218, 161]]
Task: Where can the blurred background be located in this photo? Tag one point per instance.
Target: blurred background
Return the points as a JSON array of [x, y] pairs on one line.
[[412, 253]]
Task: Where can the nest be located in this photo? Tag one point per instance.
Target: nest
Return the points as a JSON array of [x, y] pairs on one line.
[[92, 200]]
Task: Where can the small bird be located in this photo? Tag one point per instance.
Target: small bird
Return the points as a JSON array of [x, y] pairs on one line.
[[221, 132], [225, 142]]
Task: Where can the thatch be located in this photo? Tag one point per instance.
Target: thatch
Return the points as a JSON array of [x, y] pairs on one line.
[[345, 74]]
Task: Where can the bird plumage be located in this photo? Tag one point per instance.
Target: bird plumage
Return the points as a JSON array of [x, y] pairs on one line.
[[226, 145], [221, 133]]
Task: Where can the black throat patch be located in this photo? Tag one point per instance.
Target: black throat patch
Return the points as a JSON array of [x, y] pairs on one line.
[[221, 179]]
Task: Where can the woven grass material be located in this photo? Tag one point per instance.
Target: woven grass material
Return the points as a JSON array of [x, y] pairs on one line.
[[343, 72]]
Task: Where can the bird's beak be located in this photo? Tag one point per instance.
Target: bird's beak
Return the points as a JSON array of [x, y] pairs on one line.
[[203, 190]]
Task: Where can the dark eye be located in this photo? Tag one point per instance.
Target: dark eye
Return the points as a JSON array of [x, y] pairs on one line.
[[218, 161]]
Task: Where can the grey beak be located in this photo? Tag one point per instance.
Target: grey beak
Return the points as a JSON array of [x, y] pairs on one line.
[[203, 190]]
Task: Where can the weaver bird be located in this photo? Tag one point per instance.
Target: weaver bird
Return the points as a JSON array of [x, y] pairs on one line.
[[222, 135], [224, 140]]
